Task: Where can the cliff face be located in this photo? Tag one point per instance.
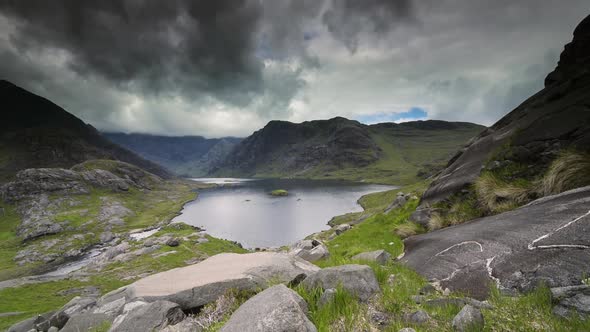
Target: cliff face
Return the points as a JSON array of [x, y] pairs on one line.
[[554, 119], [37, 133]]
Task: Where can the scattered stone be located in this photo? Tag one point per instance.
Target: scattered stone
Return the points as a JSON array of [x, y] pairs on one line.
[[407, 329], [418, 298], [106, 237], [196, 285], [327, 297], [377, 256], [468, 319], [399, 201], [446, 292], [378, 318], [427, 290], [277, 308], [341, 228], [173, 242], [359, 280], [89, 291], [559, 293], [443, 302], [579, 303], [418, 317], [113, 308], [202, 240], [53, 329], [478, 304], [150, 317], [86, 322], [310, 250], [391, 279]]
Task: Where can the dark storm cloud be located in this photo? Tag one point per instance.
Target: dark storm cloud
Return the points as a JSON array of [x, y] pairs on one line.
[[346, 19], [226, 67], [195, 46]]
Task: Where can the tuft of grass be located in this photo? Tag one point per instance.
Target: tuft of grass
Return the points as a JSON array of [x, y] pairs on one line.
[[497, 195], [437, 221], [407, 229], [343, 313], [569, 171]]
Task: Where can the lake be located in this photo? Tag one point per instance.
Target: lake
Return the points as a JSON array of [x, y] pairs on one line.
[[243, 210]]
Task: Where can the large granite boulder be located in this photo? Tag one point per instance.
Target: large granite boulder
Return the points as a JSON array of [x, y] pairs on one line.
[[199, 284], [359, 280], [277, 308], [546, 241]]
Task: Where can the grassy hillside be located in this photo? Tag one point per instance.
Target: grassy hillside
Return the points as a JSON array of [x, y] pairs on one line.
[[343, 149]]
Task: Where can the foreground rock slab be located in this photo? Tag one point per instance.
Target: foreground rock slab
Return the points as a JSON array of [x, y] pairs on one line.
[[196, 285], [359, 280], [546, 241], [278, 308]]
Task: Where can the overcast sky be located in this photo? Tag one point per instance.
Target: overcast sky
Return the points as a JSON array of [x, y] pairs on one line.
[[227, 67]]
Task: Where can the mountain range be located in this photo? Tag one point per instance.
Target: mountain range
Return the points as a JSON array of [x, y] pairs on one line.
[[35, 132], [190, 156], [346, 149]]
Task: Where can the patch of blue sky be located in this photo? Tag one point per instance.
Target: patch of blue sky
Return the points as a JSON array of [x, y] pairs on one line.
[[413, 114]]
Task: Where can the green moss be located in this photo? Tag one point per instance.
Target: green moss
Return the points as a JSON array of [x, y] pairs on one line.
[[279, 192]]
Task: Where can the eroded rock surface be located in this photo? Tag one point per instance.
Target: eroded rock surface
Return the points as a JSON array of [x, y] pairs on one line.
[[545, 241]]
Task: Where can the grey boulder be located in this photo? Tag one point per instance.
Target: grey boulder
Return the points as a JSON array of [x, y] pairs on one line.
[[278, 308], [150, 317], [468, 319], [359, 280], [29, 324], [341, 228], [86, 322], [377, 256], [310, 250]]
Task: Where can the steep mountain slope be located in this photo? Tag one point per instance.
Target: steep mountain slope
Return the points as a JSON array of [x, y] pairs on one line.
[[34, 132], [344, 149], [542, 242], [185, 155], [533, 134]]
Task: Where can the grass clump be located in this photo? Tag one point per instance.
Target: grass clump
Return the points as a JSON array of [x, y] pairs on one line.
[[497, 195], [279, 192], [569, 171]]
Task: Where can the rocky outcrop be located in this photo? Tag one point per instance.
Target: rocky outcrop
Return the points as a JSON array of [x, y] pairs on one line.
[[277, 308], [377, 256], [571, 300], [30, 183], [358, 280], [556, 118], [545, 241], [310, 250], [196, 285]]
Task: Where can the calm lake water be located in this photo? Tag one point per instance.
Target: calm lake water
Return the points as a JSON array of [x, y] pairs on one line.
[[242, 209]]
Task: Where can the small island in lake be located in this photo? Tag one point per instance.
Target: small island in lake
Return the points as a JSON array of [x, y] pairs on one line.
[[279, 192]]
